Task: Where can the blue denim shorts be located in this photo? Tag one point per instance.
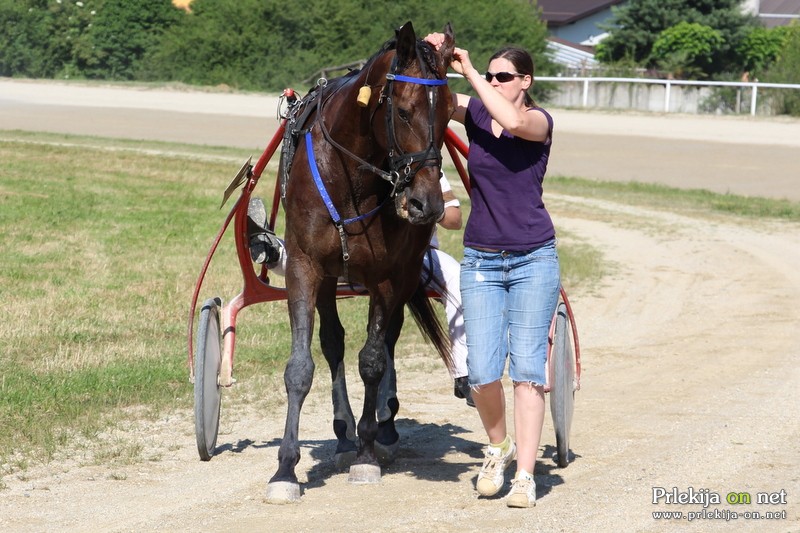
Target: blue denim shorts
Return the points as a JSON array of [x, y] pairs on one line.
[[509, 299]]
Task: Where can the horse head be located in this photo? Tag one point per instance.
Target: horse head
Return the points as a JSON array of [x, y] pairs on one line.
[[418, 105]]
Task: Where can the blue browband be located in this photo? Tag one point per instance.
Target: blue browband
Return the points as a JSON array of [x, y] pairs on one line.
[[411, 79]]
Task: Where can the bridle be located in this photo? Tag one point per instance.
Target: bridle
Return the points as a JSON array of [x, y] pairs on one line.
[[404, 166]]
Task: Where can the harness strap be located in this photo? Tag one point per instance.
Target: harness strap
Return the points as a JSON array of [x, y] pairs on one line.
[[337, 219], [297, 114], [398, 159], [312, 162], [326, 199], [364, 164], [418, 81]]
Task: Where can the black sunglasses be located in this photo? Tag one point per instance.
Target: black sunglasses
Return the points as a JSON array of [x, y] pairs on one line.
[[502, 77]]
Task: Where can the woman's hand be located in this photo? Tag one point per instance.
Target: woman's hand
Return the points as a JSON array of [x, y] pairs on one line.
[[461, 62], [436, 39]]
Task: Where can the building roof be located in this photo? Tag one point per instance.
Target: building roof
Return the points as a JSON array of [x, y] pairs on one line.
[[779, 7], [569, 54], [562, 12]]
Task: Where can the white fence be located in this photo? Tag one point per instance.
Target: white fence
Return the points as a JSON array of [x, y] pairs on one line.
[[653, 95], [645, 94]]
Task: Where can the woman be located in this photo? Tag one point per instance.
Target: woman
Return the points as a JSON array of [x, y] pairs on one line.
[[510, 272]]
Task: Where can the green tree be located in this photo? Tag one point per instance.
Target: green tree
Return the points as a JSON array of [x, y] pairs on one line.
[[80, 38], [637, 24], [43, 38], [122, 32], [221, 42], [247, 44], [686, 49], [269, 45], [761, 47], [786, 69], [23, 30]]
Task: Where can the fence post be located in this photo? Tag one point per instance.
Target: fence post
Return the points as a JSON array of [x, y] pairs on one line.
[[585, 92], [666, 97], [753, 99]]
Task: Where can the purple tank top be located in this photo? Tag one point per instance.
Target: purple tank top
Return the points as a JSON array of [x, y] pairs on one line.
[[505, 176]]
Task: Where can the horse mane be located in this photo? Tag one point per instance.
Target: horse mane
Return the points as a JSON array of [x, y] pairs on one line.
[[428, 54]]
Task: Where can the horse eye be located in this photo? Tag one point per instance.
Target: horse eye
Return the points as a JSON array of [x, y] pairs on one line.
[[404, 115]]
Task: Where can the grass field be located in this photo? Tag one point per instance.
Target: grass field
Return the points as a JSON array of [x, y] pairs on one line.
[[102, 241]]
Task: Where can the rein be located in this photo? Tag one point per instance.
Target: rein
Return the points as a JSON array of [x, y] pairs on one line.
[[326, 133]]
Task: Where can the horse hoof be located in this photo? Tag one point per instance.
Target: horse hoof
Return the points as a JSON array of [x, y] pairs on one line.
[[345, 459], [386, 453], [281, 492], [363, 474]]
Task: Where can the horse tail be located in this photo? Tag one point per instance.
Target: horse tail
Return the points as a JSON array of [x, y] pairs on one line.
[[430, 325]]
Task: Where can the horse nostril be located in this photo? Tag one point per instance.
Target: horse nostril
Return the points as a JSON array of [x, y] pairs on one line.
[[415, 206]]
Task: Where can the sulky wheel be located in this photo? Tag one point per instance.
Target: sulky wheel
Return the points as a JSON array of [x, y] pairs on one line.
[[562, 389], [207, 395]]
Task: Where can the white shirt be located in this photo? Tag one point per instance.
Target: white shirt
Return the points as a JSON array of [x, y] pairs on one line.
[[453, 202]]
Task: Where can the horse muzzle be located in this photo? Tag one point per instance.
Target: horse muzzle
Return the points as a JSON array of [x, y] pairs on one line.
[[419, 209]]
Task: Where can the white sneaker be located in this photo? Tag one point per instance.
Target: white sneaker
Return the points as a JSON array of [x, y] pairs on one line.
[[491, 477], [523, 491]]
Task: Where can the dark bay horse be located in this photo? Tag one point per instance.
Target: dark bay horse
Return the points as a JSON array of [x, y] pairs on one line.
[[361, 195]]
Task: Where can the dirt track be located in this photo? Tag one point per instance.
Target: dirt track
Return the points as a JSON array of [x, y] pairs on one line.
[[753, 156], [690, 356]]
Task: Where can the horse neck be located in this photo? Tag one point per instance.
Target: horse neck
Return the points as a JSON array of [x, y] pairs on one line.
[[352, 125]]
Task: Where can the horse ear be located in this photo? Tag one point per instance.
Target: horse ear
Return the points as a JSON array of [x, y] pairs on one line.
[[406, 44], [448, 46]]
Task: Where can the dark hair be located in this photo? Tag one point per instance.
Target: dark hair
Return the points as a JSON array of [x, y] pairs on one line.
[[523, 63]]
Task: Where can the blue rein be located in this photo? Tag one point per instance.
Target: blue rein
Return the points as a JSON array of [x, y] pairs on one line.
[[337, 219]]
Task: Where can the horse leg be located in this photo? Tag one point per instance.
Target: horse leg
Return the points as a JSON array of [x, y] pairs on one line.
[[331, 338], [283, 486], [387, 441], [371, 366]]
